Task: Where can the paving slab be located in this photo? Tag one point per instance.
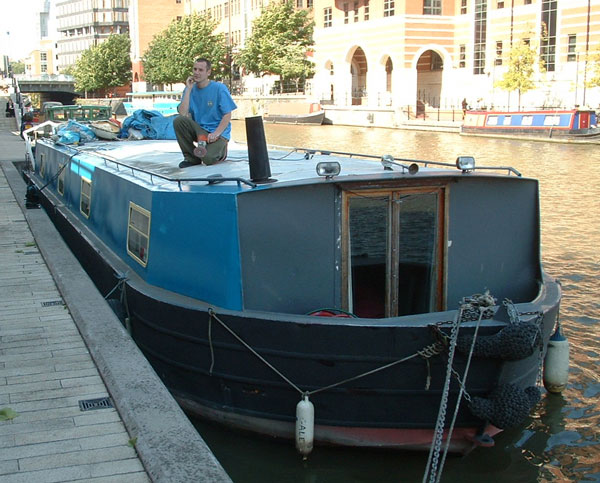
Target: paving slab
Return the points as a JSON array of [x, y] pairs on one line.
[[60, 343]]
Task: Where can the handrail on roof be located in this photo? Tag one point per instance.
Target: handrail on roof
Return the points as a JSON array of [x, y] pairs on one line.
[[425, 163], [208, 179]]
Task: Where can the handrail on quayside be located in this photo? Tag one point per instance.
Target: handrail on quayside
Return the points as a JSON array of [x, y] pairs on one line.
[[209, 180], [421, 161]]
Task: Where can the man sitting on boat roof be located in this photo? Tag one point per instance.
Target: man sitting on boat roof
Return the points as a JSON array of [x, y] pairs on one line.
[[205, 118]]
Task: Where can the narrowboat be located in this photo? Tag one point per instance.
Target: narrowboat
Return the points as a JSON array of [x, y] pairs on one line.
[[330, 297], [571, 125], [294, 112], [165, 102]]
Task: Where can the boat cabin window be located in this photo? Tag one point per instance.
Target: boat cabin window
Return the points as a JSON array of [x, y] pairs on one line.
[[61, 179], [393, 252], [42, 165], [138, 233], [86, 197]]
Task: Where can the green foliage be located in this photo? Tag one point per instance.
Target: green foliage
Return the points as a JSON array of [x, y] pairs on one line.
[[104, 65], [523, 59], [68, 70], [6, 414], [170, 56], [594, 80], [280, 40], [17, 67]]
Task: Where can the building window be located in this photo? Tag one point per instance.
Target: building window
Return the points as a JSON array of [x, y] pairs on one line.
[[366, 13], [345, 13], [309, 3], [177, 1], [463, 7], [432, 7], [327, 17], [527, 2], [462, 56], [43, 56], [498, 60], [138, 233], [356, 11], [500, 4], [572, 55], [480, 36], [548, 34], [388, 8], [299, 3]]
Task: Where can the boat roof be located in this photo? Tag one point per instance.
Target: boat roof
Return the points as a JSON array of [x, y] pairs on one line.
[[156, 163]]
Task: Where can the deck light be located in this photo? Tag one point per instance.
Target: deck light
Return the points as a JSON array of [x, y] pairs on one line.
[[329, 169], [465, 163]]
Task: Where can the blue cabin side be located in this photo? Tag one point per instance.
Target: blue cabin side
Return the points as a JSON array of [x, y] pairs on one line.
[[193, 237]]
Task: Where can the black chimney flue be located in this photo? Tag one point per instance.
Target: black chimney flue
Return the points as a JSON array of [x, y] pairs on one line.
[[258, 156]]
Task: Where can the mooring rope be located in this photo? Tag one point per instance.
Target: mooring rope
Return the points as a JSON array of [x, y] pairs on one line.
[[121, 279], [427, 352]]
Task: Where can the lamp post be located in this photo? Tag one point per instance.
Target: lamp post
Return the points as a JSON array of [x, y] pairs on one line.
[[8, 69], [576, 74]]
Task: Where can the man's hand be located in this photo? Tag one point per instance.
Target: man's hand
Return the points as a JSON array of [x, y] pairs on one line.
[[212, 137], [189, 82]]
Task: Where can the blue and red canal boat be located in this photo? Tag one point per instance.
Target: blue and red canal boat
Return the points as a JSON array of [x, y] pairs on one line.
[[570, 125]]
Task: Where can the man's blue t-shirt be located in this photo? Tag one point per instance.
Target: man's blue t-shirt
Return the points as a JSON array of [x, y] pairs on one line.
[[210, 104]]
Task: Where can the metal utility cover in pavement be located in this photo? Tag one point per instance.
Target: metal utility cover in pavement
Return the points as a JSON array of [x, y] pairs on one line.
[[100, 403], [52, 303]]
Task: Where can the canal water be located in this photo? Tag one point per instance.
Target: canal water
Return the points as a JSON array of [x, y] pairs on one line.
[[561, 439]]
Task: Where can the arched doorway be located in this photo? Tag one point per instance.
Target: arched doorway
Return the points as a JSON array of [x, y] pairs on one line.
[[358, 70], [429, 78], [389, 67]]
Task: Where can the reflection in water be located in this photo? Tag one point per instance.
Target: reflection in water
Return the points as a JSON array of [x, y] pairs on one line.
[[561, 440]]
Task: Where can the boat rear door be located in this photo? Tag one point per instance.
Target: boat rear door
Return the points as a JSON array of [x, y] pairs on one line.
[[393, 253], [584, 120]]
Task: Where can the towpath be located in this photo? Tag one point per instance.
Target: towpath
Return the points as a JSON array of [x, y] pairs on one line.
[[61, 350]]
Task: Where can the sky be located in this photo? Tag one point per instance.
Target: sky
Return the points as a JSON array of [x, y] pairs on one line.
[[18, 18]]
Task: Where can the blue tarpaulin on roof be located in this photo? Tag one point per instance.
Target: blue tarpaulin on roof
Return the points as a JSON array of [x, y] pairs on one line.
[[151, 124]]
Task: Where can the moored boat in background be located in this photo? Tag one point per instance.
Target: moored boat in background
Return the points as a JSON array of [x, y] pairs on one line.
[[569, 125], [295, 112], [280, 276], [165, 102]]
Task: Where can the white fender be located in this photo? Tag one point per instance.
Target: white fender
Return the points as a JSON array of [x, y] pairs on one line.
[[305, 426], [556, 363]]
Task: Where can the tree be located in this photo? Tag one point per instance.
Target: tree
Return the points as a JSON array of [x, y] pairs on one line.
[[281, 37], [594, 80], [17, 67], [105, 65], [171, 53], [522, 60]]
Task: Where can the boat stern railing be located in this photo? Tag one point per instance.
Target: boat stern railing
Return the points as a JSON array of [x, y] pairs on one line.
[[214, 179], [388, 159]]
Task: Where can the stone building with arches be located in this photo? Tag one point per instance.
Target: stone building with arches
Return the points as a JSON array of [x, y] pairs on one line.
[[391, 54]]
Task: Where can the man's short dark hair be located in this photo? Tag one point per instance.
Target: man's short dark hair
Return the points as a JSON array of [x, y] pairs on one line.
[[202, 59]]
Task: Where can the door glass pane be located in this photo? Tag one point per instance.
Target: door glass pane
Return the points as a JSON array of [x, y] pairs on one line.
[[417, 254], [369, 228]]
